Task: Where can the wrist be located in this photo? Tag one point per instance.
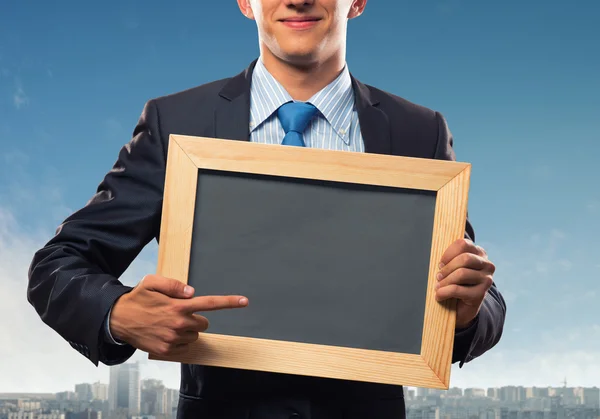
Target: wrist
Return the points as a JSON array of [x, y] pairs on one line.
[[117, 329]]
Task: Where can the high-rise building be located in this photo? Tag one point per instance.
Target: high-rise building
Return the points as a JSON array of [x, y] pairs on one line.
[[84, 391], [172, 400], [124, 392], [590, 397], [474, 392], [153, 393], [99, 391], [537, 392]]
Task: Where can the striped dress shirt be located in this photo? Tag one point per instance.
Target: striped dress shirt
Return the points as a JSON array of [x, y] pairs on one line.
[[335, 125]]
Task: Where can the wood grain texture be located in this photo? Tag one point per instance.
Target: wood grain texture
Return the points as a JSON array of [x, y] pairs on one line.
[[307, 359], [320, 164], [439, 322], [177, 220], [449, 179]]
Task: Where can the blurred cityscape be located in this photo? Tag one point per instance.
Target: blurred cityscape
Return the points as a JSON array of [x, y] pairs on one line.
[[126, 396]]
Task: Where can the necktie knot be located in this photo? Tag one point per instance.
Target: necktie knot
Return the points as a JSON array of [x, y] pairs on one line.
[[295, 116]]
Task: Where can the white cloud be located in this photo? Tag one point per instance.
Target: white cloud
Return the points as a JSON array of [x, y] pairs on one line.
[[558, 353], [20, 99], [34, 358], [530, 368]]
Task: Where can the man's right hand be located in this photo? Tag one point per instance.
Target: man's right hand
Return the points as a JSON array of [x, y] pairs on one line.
[[158, 315]]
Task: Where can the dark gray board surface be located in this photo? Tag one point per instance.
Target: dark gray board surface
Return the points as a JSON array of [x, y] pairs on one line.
[[321, 262]]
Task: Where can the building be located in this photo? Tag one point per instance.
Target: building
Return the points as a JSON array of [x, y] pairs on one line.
[[99, 391], [124, 391], [84, 391]]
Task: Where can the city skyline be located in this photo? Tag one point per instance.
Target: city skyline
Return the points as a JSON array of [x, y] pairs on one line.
[[141, 378], [127, 396], [102, 390], [157, 402]]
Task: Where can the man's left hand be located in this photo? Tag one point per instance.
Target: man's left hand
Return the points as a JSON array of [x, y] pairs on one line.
[[465, 274]]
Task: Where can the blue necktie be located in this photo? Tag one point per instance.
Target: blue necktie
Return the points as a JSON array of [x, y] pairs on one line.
[[294, 117]]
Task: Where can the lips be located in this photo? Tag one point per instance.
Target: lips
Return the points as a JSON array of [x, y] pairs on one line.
[[300, 22]]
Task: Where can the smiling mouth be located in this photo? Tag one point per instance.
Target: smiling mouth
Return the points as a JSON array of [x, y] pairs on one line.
[[300, 22]]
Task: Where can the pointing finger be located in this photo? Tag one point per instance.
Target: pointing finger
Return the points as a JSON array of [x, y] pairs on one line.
[[213, 302]]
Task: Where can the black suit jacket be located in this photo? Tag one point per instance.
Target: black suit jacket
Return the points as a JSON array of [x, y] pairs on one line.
[[73, 279]]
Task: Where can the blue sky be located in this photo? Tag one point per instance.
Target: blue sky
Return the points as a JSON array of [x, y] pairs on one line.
[[517, 81]]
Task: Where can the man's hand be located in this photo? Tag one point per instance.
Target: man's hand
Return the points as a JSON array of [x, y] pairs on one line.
[[465, 274], [158, 315]]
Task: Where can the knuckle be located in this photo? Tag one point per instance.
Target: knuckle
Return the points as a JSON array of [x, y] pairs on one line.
[[204, 324], [146, 279], [179, 323], [170, 336], [177, 306], [466, 258], [481, 262], [163, 349], [461, 274], [464, 244]]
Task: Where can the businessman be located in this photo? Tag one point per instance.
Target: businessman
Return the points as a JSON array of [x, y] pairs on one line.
[[299, 92]]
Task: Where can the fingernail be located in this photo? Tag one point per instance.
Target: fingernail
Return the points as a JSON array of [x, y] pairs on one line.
[[437, 286], [187, 290], [243, 301], [439, 276], [441, 265]]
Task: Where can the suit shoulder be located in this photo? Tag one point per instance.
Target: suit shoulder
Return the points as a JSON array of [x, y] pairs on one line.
[[193, 94], [416, 130], [391, 102]]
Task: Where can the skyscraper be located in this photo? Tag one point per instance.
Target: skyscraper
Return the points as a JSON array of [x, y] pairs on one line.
[[84, 391], [99, 391], [124, 388]]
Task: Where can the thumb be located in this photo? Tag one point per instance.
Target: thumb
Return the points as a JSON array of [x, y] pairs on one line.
[[167, 286]]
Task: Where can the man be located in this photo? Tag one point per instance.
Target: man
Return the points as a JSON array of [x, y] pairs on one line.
[[301, 75]]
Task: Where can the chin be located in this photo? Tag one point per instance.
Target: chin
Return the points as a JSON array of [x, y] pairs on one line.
[[299, 53], [300, 57]]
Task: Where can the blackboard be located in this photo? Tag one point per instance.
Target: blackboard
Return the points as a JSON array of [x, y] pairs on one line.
[[333, 249]]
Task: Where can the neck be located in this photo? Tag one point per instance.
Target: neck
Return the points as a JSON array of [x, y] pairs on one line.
[[305, 80]]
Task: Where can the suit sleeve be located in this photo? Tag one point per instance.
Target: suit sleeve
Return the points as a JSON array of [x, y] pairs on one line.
[[74, 278], [486, 330]]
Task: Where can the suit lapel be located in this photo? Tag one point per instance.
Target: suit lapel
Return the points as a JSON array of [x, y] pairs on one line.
[[232, 113], [374, 123]]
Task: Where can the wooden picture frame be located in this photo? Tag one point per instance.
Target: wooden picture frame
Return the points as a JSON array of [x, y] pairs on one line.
[[450, 182]]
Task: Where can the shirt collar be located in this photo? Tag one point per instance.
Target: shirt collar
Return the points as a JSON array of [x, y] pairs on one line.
[[335, 101]]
